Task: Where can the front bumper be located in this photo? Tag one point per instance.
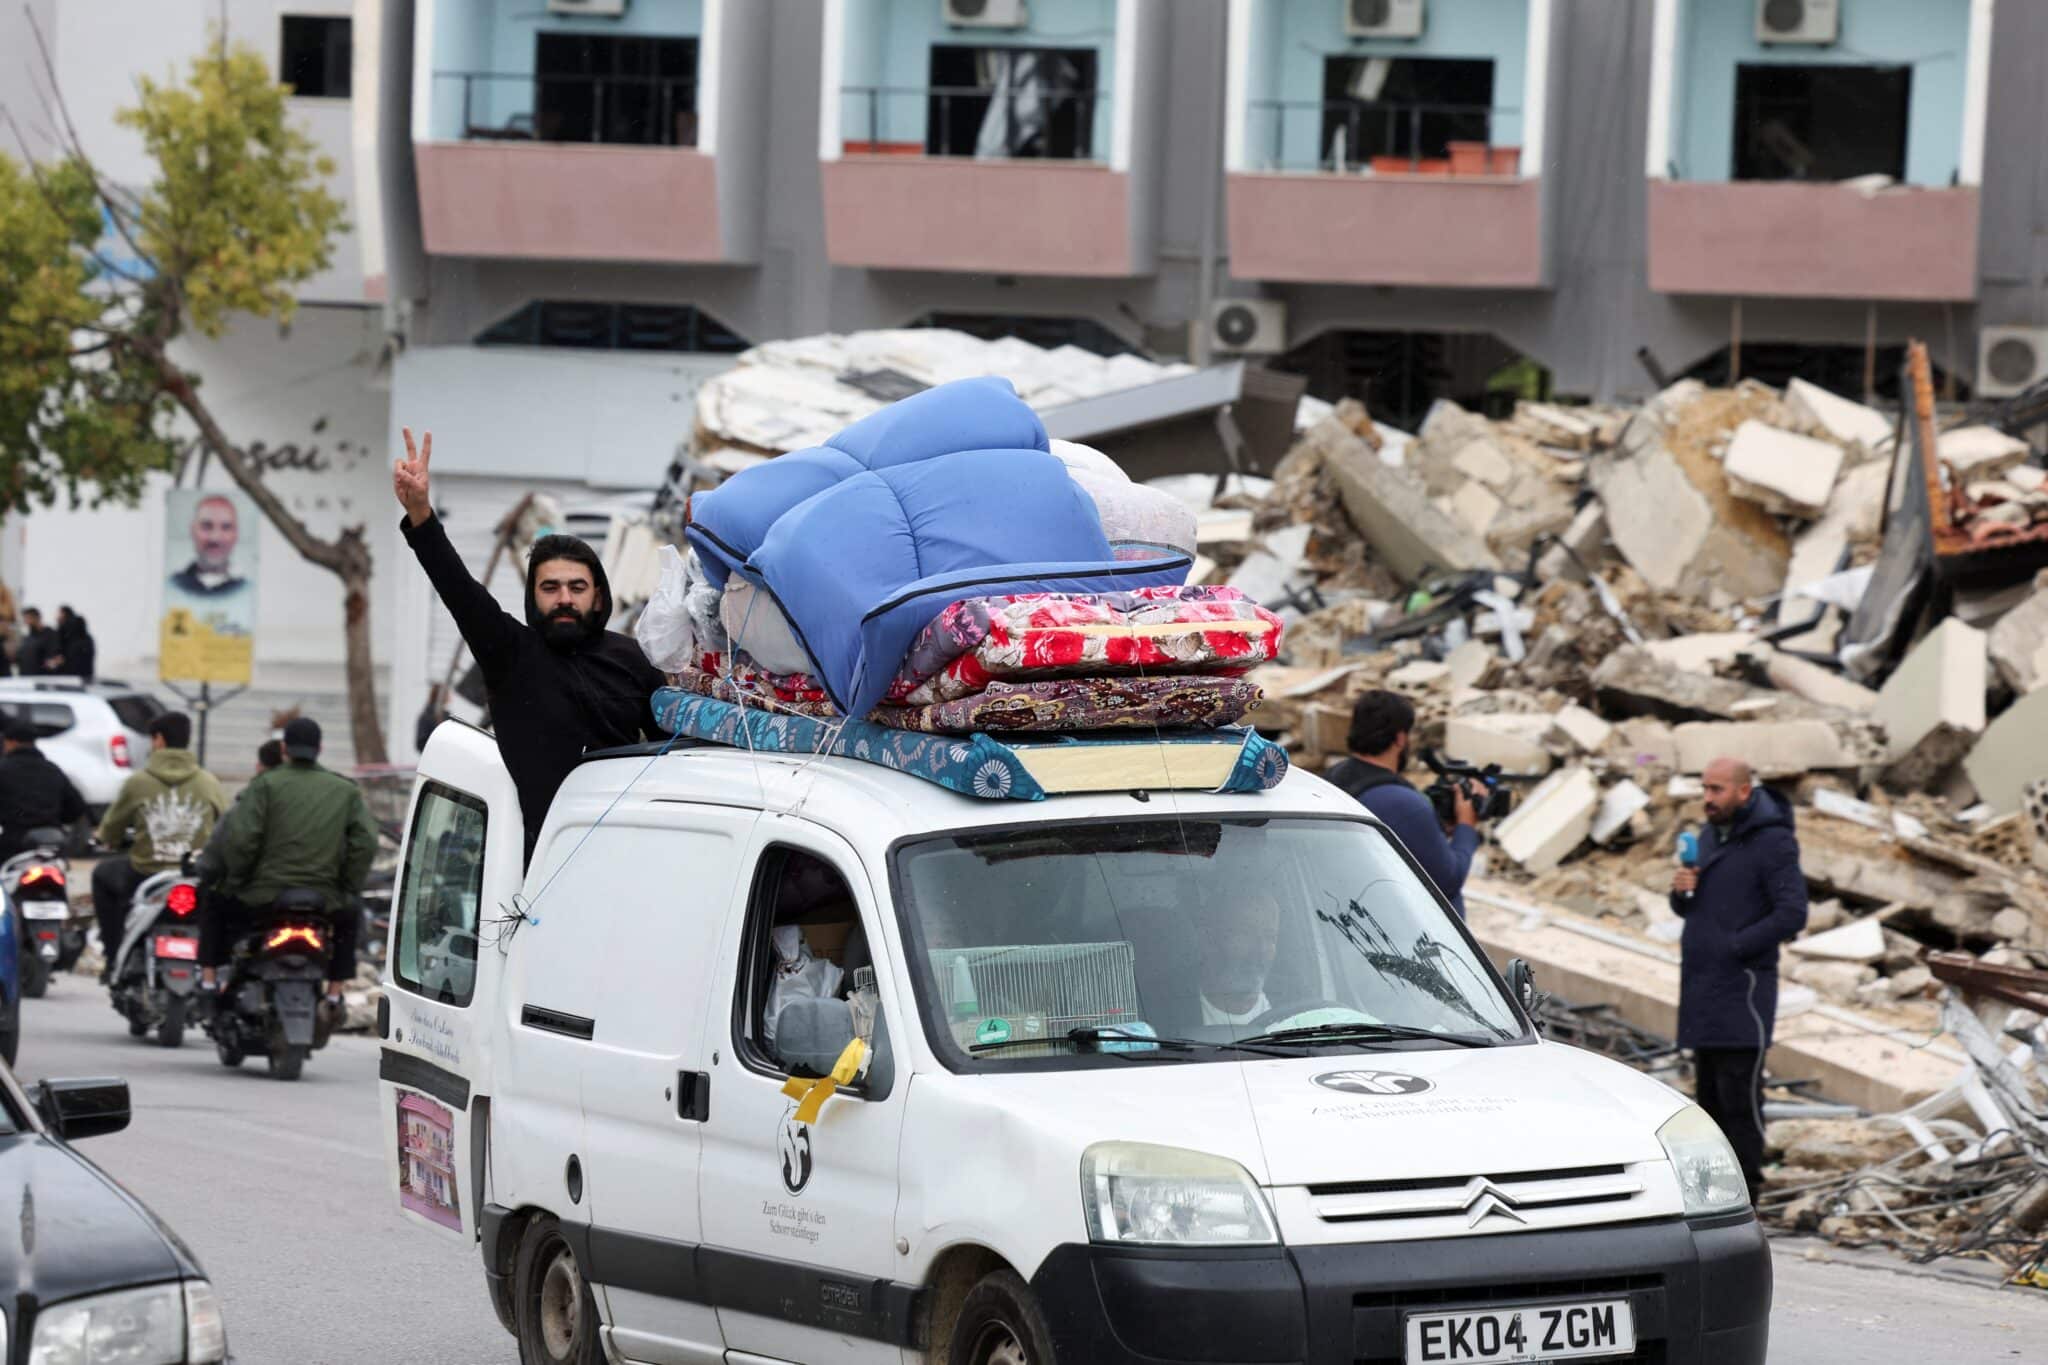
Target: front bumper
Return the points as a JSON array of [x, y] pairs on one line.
[[1701, 1294]]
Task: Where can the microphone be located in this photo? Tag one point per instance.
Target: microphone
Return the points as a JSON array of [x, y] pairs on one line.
[[1688, 854]]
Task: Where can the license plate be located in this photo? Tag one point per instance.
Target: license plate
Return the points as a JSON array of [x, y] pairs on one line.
[[1562, 1331], [185, 949]]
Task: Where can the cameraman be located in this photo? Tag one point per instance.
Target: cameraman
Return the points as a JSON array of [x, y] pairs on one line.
[[1381, 741]]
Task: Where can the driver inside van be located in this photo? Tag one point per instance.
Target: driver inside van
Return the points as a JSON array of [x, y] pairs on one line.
[[1240, 938]]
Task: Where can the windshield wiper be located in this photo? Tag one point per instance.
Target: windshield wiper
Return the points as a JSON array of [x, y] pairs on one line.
[[1366, 1033], [1092, 1040]]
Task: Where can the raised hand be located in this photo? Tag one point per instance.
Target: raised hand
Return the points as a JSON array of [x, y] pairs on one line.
[[409, 478]]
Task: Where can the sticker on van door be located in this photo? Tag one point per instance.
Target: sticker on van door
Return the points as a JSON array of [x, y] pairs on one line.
[[426, 1160], [793, 1146]]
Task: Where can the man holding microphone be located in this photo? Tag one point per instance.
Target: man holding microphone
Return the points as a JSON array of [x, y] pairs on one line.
[[1741, 895]]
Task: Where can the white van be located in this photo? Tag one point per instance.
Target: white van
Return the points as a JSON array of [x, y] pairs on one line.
[[1154, 1076]]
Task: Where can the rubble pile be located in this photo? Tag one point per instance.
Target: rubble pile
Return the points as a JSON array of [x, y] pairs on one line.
[[1601, 600], [1964, 1173]]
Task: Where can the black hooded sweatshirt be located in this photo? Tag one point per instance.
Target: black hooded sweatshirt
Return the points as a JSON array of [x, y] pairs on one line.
[[550, 701]]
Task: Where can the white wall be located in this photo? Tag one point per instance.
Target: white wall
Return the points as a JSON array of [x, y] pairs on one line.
[[103, 45]]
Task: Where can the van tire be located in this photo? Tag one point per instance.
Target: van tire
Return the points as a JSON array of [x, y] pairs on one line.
[[551, 1301], [1000, 1324]]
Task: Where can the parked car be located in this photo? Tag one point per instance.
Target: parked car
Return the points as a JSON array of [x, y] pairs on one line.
[[1102, 1077], [97, 732], [86, 1272]]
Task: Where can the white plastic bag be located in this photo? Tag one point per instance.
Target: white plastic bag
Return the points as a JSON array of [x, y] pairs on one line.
[[667, 634]]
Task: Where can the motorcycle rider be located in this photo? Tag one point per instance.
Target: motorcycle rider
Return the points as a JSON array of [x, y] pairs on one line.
[[298, 826], [34, 792], [168, 810]]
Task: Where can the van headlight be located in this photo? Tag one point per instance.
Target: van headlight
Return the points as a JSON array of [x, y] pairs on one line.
[[1709, 1177], [165, 1324], [1139, 1194]]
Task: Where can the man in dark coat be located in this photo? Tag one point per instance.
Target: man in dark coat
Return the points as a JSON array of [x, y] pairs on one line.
[[77, 654], [34, 792], [38, 644], [559, 683], [1744, 898]]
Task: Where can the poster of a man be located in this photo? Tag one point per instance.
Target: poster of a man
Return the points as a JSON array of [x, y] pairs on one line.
[[210, 569]]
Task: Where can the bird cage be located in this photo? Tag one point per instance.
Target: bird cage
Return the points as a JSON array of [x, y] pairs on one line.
[[1066, 985]]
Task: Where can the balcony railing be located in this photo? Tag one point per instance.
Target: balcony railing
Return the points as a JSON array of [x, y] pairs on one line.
[[1383, 136], [1054, 123], [643, 111]]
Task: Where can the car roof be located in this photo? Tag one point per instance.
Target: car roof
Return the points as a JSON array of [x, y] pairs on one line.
[[872, 807], [57, 685]]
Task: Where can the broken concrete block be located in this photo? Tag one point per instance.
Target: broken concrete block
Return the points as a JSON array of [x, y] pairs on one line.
[[1782, 748], [1980, 452], [1556, 426], [1910, 982], [1848, 422], [1859, 940], [1783, 473], [1586, 535], [1514, 742], [1855, 512], [1475, 507], [1393, 511], [1551, 821], [1473, 664], [1325, 728], [1418, 675], [1700, 653], [1842, 806], [1646, 745], [1619, 804], [1835, 980], [1940, 683], [2012, 752], [1484, 462], [1813, 682], [1583, 729], [2019, 642], [1533, 507]]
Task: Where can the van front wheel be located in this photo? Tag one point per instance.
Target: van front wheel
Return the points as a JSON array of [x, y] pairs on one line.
[[1000, 1324], [556, 1315]]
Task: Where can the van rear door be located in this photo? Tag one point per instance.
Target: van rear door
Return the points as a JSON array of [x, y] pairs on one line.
[[464, 850]]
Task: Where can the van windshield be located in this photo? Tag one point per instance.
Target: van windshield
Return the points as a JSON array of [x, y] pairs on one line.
[[1225, 939]]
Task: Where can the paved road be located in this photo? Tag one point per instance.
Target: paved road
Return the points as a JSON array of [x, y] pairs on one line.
[[280, 1191]]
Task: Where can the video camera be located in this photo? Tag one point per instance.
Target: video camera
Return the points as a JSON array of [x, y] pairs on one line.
[[1490, 800]]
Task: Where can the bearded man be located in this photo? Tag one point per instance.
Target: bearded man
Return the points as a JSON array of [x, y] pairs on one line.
[[559, 683]]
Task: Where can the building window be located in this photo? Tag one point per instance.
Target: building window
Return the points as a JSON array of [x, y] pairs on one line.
[[313, 55], [1410, 108], [598, 88], [1820, 122], [615, 327], [1012, 102]]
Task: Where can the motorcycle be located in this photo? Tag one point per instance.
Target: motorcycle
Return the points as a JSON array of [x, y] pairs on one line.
[[269, 1002], [53, 935], [155, 971]]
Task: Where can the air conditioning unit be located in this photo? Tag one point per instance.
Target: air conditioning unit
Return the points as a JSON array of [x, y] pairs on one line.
[[591, 9], [1248, 326], [2010, 360], [1811, 22], [1384, 18], [986, 13]]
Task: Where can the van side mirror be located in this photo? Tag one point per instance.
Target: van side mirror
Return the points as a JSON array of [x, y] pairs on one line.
[[1522, 985], [810, 1033], [75, 1109]]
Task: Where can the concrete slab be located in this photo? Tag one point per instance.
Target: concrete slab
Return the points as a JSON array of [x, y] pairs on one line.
[[1618, 805], [1700, 653], [2012, 753], [1584, 729], [1679, 524], [1418, 675], [1551, 821], [1857, 941], [1472, 664], [1980, 452], [1854, 513], [1941, 682], [1847, 421], [1393, 511], [1514, 742], [1586, 536], [1484, 462], [1784, 748], [2019, 642], [1813, 682], [1850, 1053], [1475, 506], [1782, 472]]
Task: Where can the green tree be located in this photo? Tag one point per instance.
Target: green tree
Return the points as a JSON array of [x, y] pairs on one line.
[[236, 218]]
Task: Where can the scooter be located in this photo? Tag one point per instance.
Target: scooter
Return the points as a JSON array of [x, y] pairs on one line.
[[155, 971], [269, 1002], [53, 936]]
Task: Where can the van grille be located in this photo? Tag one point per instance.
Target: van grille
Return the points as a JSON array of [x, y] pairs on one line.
[[1478, 1295], [1516, 1196]]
